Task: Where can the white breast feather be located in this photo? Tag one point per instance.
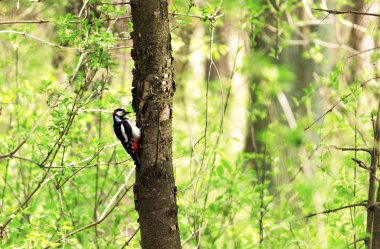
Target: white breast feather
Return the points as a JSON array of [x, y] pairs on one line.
[[135, 131]]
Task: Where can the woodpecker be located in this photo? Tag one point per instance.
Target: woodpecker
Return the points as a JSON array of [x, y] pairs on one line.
[[128, 134]]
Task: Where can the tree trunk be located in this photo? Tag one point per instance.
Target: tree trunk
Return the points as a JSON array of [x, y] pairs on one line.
[[155, 191], [373, 212]]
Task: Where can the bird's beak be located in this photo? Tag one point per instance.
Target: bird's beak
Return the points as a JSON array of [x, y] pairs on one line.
[[113, 113]]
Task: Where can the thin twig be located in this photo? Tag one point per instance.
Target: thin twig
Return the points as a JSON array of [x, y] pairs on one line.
[[117, 48], [42, 21], [10, 154], [117, 193], [198, 235], [362, 204], [25, 22], [96, 154], [211, 17], [130, 239], [360, 164], [79, 167], [23, 204], [340, 101], [96, 222], [362, 52], [341, 12], [351, 149], [364, 166], [27, 160], [115, 3], [358, 240], [36, 38], [94, 110]]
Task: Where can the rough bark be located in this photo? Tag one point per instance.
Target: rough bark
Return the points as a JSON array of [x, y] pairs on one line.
[[155, 191], [373, 212]]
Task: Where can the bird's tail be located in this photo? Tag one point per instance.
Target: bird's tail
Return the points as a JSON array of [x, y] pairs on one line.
[[136, 160], [132, 154]]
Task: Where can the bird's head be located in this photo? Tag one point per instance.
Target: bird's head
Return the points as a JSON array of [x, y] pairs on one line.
[[120, 113]]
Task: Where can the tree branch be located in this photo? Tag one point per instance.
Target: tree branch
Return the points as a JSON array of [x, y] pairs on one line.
[[352, 149], [339, 101], [10, 154], [364, 51], [96, 222], [362, 204], [36, 38], [360, 164], [132, 236], [49, 21], [340, 12]]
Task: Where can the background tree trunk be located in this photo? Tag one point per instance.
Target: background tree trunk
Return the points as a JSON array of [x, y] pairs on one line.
[[373, 213], [155, 191]]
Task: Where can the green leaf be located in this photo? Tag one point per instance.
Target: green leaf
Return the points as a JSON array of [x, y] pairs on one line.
[[220, 171]]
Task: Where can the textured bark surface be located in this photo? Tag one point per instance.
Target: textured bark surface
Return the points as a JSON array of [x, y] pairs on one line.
[[155, 191]]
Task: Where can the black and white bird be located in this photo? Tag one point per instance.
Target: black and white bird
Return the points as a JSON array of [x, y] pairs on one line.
[[128, 134]]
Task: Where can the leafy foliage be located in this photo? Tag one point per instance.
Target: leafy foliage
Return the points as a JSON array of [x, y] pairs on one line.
[[250, 77]]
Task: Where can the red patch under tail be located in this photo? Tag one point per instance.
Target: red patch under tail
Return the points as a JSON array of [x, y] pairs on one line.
[[135, 146]]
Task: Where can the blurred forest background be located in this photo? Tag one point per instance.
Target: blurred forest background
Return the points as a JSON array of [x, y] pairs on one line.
[[273, 100]]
